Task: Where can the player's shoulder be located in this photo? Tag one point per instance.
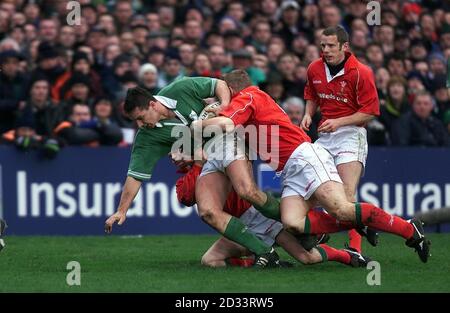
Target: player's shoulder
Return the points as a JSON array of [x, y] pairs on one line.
[[364, 69], [176, 86], [315, 65]]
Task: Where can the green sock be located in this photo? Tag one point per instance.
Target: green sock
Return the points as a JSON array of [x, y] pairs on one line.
[[238, 232], [307, 229], [322, 253], [271, 208]]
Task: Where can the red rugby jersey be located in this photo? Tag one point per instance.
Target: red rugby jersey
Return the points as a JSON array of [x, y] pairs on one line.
[[351, 90], [185, 188], [277, 136]]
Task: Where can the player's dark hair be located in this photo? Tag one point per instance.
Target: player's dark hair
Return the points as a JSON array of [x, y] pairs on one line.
[[339, 32], [238, 80], [137, 97]]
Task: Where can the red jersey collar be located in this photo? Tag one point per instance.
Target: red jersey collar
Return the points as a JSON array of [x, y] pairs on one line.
[[352, 61]]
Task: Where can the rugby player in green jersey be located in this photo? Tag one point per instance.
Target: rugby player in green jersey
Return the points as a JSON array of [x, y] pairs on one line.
[[177, 105]]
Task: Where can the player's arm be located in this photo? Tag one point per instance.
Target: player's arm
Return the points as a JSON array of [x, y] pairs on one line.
[[311, 98], [310, 110], [222, 92], [129, 192], [225, 123], [357, 119]]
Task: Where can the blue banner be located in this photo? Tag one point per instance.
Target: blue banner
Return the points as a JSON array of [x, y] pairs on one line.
[[75, 193], [402, 181]]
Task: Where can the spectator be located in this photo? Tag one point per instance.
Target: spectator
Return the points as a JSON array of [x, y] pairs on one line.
[[107, 126], [148, 78], [172, 69], [261, 35], [286, 67], [202, 66], [242, 59], [289, 21], [12, 88], [395, 104], [45, 113], [419, 127], [49, 63], [79, 90], [294, 108], [82, 129], [80, 64]]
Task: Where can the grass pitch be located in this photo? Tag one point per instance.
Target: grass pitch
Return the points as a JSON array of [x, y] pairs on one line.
[[172, 264]]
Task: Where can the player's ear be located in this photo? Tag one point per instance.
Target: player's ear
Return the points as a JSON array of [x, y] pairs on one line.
[[346, 46]]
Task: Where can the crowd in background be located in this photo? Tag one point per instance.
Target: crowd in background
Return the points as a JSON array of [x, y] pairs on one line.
[[65, 85]]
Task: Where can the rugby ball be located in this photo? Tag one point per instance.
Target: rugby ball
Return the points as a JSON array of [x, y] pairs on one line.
[[204, 115]]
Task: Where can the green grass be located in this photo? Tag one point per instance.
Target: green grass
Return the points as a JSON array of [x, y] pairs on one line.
[[171, 264]]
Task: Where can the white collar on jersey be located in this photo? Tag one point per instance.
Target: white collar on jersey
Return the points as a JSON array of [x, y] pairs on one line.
[[167, 102], [329, 77]]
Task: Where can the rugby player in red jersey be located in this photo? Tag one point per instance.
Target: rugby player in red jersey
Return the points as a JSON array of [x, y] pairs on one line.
[[308, 171], [227, 252], [344, 90]]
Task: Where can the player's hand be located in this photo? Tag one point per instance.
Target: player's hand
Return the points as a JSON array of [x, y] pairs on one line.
[[329, 126], [306, 122], [215, 111], [180, 159], [118, 218]]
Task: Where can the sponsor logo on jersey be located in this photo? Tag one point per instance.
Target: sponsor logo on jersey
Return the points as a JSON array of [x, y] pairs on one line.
[[332, 97]]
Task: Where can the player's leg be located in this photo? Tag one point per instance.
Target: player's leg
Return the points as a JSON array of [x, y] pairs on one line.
[[221, 250], [241, 176], [332, 196], [211, 192], [319, 254], [350, 174], [294, 210]]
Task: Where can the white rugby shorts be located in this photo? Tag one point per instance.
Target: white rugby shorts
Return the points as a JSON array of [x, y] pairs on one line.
[[309, 166], [264, 228], [346, 144]]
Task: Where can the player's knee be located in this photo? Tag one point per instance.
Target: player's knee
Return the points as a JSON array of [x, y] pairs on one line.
[[208, 215], [307, 260], [344, 213], [294, 227], [211, 261], [247, 191], [207, 260]]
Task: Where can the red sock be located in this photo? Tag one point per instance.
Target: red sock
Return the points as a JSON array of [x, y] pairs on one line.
[[241, 262], [354, 239], [369, 215], [333, 254], [323, 223]]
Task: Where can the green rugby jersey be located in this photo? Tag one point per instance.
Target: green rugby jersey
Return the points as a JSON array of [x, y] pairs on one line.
[[185, 97]]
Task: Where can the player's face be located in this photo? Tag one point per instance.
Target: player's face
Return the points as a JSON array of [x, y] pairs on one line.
[[333, 52], [146, 118]]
